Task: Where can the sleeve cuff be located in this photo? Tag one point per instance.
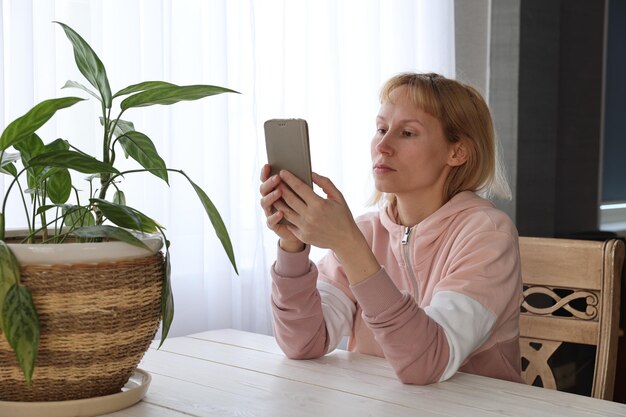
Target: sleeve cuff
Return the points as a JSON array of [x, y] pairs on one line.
[[377, 293], [292, 264]]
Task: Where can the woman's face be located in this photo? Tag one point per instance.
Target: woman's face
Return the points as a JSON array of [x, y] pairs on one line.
[[410, 154]]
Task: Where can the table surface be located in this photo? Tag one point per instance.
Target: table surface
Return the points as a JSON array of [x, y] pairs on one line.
[[235, 373]]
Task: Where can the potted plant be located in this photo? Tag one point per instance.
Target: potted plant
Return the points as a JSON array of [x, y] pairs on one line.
[[48, 312]]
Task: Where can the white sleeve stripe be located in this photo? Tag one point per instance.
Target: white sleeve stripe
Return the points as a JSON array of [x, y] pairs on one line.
[[467, 324], [338, 312]]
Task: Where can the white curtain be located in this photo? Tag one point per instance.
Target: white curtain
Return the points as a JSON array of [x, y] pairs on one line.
[[322, 60]]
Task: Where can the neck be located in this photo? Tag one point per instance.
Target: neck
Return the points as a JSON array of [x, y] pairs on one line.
[[413, 210]]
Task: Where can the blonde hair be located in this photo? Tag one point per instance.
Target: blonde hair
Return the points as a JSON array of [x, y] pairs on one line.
[[464, 115]]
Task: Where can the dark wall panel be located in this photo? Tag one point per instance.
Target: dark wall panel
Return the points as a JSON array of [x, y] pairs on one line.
[[614, 161], [538, 113], [580, 115], [560, 116]]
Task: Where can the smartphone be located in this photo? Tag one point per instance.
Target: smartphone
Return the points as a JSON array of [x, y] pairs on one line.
[[287, 145]]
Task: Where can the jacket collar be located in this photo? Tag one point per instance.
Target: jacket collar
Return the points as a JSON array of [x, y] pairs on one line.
[[425, 233]]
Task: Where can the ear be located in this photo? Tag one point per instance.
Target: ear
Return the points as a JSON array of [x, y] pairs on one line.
[[458, 154]]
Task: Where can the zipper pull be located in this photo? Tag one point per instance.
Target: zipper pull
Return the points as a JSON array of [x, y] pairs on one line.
[[405, 236]]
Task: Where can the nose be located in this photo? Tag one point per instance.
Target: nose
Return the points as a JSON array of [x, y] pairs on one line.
[[382, 144]]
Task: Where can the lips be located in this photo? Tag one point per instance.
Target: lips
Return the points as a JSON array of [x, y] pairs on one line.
[[382, 168]]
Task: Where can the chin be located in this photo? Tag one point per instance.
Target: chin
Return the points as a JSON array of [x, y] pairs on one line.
[[384, 187]]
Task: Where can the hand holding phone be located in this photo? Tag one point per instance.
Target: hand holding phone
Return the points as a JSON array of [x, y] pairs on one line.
[[287, 145]]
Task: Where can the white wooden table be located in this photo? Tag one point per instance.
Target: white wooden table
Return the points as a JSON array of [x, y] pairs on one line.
[[234, 373]]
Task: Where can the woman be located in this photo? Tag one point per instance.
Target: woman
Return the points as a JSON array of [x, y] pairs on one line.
[[431, 282]]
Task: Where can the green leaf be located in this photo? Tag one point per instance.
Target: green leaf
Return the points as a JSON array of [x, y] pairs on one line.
[[146, 85], [59, 187], [126, 217], [119, 198], [72, 160], [58, 145], [9, 169], [172, 94], [167, 299], [36, 117], [6, 163], [21, 327], [111, 232], [217, 222], [74, 84], [8, 158], [121, 127], [29, 147], [78, 216], [139, 147], [9, 273], [89, 64]]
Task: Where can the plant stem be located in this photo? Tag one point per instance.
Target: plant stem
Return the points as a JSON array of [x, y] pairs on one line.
[[77, 196], [104, 178], [43, 213], [61, 235], [105, 142], [31, 226]]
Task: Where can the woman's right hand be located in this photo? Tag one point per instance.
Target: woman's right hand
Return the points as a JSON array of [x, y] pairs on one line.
[[270, 194]]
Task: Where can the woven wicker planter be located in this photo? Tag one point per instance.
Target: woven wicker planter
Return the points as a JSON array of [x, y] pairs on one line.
[[97, 317]]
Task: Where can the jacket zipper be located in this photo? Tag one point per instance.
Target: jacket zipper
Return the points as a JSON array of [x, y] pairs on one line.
[[407, 260]]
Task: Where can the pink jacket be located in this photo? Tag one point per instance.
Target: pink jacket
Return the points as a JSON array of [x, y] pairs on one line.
[[446, 299]]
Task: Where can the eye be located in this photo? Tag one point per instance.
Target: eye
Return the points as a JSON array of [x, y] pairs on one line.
[[381, 131], [407, 133]]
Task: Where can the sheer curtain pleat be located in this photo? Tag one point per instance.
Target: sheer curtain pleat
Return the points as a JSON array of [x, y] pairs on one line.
[[322, 60]]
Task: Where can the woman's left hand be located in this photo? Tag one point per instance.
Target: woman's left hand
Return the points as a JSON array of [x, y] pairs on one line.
[[322, 222]]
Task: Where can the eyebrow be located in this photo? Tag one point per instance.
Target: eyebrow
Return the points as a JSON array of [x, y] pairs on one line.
[[379, 117]]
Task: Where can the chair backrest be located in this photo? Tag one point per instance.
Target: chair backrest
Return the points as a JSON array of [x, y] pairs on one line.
[[571, 296]]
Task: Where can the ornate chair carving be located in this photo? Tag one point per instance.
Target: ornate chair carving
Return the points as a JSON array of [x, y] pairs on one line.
[[571, 296]]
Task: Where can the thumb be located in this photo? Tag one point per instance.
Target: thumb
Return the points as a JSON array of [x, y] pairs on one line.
[[328, 187]]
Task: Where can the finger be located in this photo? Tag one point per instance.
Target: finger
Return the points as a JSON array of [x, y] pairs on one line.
[[269, 185], [269, 200], [327, 187], [265, 172], [298, 186], [272, 220], [292, 199], [286, 211]]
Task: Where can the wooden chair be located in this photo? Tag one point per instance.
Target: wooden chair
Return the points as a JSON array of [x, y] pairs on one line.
[[571, 296]]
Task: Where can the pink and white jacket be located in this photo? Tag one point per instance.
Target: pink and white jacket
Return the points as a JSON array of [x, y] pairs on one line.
[[446, 299]]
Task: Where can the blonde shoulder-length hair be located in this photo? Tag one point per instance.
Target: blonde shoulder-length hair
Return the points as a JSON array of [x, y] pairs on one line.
[[464, 115]]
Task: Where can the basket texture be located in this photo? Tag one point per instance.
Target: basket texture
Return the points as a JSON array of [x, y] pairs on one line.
[[97, 321]]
